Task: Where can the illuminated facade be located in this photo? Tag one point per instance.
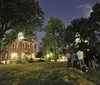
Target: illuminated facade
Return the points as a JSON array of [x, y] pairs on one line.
[[21, 48]]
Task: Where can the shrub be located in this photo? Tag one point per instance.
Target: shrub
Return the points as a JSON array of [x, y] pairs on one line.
[[18, 62], [30, 60], [25, 60], [41, 60]]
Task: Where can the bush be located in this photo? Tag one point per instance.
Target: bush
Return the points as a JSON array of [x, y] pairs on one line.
[[30, 60], [18, 62], [41, 60], [24, 61]]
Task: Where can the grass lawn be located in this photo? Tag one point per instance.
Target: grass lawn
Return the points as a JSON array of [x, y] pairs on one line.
[[52, 73]]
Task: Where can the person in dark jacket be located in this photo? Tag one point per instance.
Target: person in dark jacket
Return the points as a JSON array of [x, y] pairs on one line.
[[85, 58], [90, 58]]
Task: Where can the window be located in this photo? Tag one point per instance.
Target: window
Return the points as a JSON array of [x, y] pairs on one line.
[[23, 45], [13, 45], [14, 56], [30, 45]]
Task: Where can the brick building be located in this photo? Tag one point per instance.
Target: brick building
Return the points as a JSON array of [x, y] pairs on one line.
[[21, 48]]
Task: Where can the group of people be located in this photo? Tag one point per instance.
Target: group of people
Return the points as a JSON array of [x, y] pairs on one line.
[[85, 60]]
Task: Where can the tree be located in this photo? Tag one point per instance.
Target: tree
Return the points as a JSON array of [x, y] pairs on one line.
[[69, 36], [18, 16], [95, 14], [95, 23], [54, 34], [85, 29], [82, 29], [39, 55], [79, 29]]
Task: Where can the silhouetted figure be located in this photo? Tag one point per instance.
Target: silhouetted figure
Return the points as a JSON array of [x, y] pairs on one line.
[[90, 58], [85, 58]]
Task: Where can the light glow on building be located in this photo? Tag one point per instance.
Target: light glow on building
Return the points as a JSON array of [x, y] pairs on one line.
[[20, 36], [13, 56]]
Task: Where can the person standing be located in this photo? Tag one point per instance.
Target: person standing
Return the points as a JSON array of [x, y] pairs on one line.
[[85, 58], [91, 61], [80, 55], [68, 55], [74, 59]]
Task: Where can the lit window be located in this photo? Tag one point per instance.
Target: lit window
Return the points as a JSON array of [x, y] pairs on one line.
[[13, 56]]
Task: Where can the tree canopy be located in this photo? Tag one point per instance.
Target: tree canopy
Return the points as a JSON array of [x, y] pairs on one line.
[[54, 34], [85, 28], [18, 16]]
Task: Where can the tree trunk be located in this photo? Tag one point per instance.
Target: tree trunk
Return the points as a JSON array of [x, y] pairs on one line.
[[0, 45], [55, 53], [1, 53], [1, 37]]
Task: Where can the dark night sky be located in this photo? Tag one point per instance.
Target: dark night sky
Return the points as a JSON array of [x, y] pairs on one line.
[[66, 10]]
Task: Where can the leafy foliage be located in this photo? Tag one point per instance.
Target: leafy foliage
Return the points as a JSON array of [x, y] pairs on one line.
[[95, 23], [54, 34], [39, 55], [86, 28], [18, 16]]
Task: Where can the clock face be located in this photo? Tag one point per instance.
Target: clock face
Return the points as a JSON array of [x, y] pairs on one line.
[[20, 35]]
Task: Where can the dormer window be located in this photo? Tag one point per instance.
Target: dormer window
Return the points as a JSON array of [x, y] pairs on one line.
[[28, 46], [23, 45], [13, 45]]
